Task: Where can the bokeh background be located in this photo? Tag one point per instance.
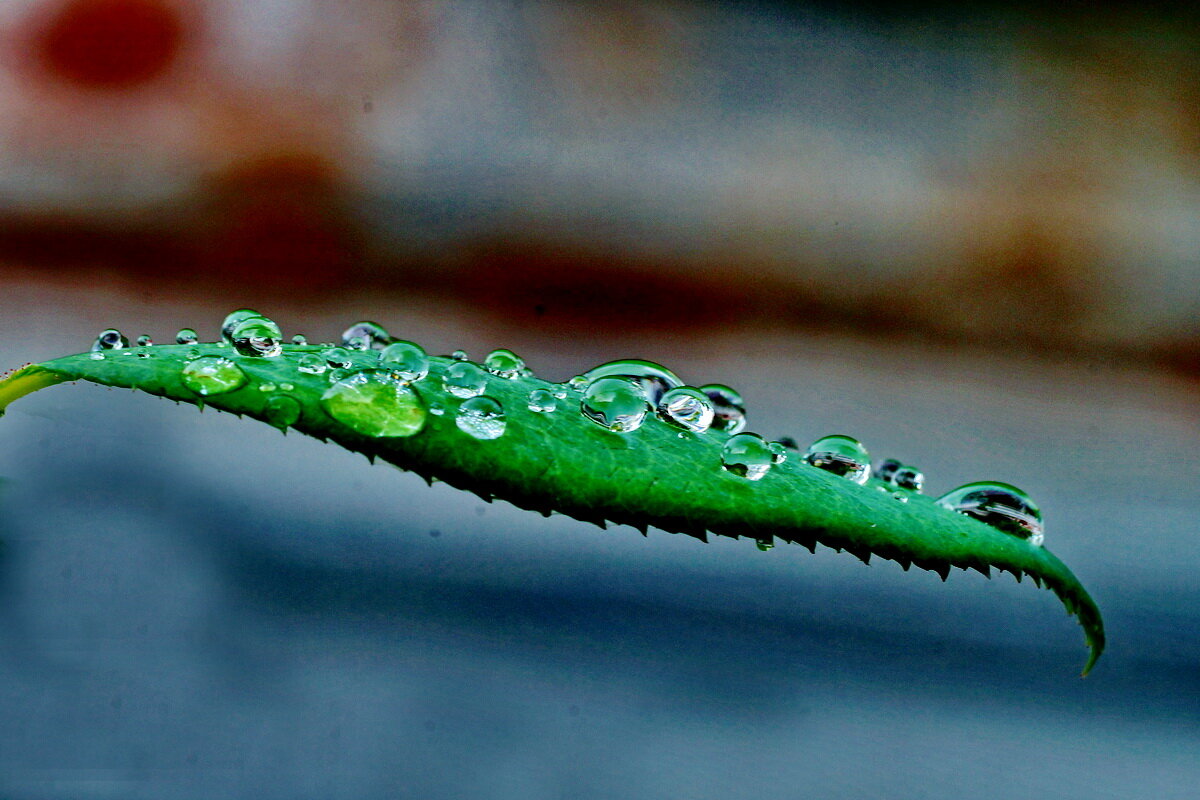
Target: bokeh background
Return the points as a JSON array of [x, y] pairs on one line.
[[968, 235]]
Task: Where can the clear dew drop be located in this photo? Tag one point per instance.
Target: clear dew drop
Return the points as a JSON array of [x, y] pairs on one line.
[[504, 364], [366, 335], [654, 379], [300, 339], [266, 387], [282, 411], [617, 404], [841, 455], [186, 336], [459, 355], [209, 375], [464, 380], [1001, 505], [96, 356], [901, 496], [729, 410], [311, 364], [687, 408], [375, 404], [258, 337], [336, 357], [109, 339], [232, 320], [482, 417], [578, 383], [406, 360], [747, 455], [900, 474], [779, 452], [560, 391], [144, 340], [887, 468], [542, 401], [764, 545]]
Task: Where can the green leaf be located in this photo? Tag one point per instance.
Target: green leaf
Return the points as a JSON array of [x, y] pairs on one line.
[[563, 462]]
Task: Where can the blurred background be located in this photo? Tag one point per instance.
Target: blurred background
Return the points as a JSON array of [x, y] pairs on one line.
[[966, 234]]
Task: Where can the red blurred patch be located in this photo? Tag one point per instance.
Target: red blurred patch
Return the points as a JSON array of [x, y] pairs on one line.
[[111, 44]]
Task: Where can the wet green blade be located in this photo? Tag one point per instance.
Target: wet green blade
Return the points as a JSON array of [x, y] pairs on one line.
[[562, 462]]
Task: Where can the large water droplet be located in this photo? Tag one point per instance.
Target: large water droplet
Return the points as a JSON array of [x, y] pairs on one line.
[[617, 404], [109, 339], [747, 455], [282, 411], [504, 364], [1000, 505], [406, 359], [542, 401], [258, 337], [371, 336], [687, 408], [209, 375], [373, 403], [233, 318], [654, 379], [464, 380], [336, 357], [481, 417], [729, 410], [841, 455], [311, 364], [186, 336]]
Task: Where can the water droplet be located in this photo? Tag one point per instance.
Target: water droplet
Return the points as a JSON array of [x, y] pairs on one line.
[[779, 452], [258, 337], [887, 468], [300, 339], [375, 404], [481, 417], [901, 496], [560, 391], [109, 339], [747, 455], [282, 411], [407, 360], [193, 352], [729, 410], [436, 410], [336, 375], [618, 404], [578, 383], [764, 545], [504, 364], [542, 401], [909, 478], [96, 356], [233, 318], [459, 355], [687, 408], [840, 455], [287, 387], [186, 336], [1000, 505], [145, 341], [654, 379], [266, 387], [209, 375], [336, 357], [464, 380], [311, 364], [789, 443], [373, 336]]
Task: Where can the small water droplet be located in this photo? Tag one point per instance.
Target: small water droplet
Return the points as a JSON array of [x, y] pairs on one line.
[[779, 452], [336, 375], [617, 404], [747, 455], [311, 364], [560, 391], [899, 474], [789, 443], [436, 410], [459, 355], [96, 356], [145, 341], [1001, 505], [209, 375], [841, 455], [366, 335], [186, 336], [464, 380], [109, 339], [300, 339], [406, 359], [375, 404], [232, 319], [687, 408], [481, 417], [764, 545], [193, 352], [337, 357], [542, 401], [578, 383], [266, 387], [729, 410], [887, 468], [504, 364], [258, 337], [901, 496], [287, 387], [654, 379], [282, 411]]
